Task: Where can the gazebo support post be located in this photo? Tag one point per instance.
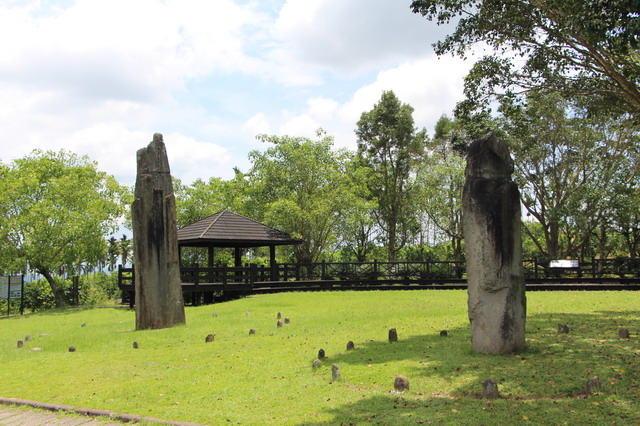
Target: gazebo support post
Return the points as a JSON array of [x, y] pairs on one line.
[[238, 264], [238, 258], [210, 256], [272, 263]]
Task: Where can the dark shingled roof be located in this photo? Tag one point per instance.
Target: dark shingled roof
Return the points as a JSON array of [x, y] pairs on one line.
[[228, 229]]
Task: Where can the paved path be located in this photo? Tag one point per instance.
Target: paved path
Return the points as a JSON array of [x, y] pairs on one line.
[[11, 415]]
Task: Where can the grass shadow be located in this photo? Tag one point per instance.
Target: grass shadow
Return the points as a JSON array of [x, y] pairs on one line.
[[545, 383]]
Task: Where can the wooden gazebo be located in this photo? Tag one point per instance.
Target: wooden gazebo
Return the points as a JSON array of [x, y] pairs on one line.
[[226, 229]]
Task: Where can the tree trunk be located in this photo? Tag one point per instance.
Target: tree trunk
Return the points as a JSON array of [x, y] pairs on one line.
[[58, 293]]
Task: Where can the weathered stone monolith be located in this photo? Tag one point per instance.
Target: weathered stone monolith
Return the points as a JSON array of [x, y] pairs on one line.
[[158, 301], [491, 218]]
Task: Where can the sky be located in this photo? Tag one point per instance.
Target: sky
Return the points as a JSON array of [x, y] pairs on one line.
[[99, 78]]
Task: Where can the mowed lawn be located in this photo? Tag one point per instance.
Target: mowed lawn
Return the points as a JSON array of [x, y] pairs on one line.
[[267, 377]]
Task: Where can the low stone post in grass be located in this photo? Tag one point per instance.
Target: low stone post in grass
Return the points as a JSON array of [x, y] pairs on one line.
[[401, 383], [393, 335], [594, 385], [490, 389], [335, 372], [493, 243], [624, 333]]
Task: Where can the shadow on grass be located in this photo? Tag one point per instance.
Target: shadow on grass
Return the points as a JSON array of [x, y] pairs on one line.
[[545, 383]]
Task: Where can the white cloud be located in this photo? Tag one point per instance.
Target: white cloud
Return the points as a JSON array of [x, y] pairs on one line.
[[99, 78], [303, 125], [256, 125], [350, 36], [432, 86]]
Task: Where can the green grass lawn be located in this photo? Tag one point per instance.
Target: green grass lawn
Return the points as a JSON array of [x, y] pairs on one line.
[[267, 378]]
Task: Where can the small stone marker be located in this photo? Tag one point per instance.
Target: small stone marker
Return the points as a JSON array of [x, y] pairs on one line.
[[20, 344], [27, 337], [444, 333], [135, 345], [36, 349], [84, 324], [214, 314], [72, 348], [248, 314], [563, 329], [316, 363], [593, 385], [209, 338], [287, 320], [393, 335], [279, 316], [350, 345], [624, 333], [279, 323], [335, 372], [490, 389], [321, 354], [252, 331], [401, 383]]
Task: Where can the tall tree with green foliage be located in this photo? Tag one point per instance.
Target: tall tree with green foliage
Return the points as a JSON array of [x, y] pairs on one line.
[[56, 209], [571, 168], [357, 226], [577, 47], [389, 143], [202, 199], [441, 180], [298, 185], [113, 250], [125, 249]]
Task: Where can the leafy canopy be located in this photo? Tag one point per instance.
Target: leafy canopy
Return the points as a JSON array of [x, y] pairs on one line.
[[55, 209], [578, 47]]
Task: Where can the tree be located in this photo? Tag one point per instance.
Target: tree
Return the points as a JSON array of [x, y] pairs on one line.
[[202, 199], [299, 187], [577, 47], [571, 169], [441, 182], [56, 209], [126, 246], [113, 250], [390, 145], [357, 224]]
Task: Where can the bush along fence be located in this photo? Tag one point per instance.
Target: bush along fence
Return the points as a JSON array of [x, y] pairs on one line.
[[206, 285]]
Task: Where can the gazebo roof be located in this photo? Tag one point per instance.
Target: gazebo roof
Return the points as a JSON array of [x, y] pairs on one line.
[[228, 229]]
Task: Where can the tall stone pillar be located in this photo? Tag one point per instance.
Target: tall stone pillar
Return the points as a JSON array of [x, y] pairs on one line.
[[493, 244], [159, 302]]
